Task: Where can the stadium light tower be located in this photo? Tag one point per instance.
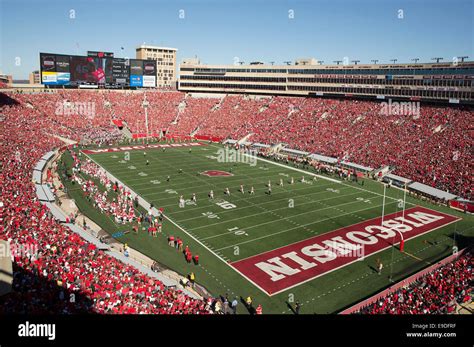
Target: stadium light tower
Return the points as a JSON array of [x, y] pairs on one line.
[[287, 62], [375, 61], [241, 62], [337, 61], [415, 60], [462, 58], [145, 106], [272, 62], [355, 61], [394, 60], [437, 59]]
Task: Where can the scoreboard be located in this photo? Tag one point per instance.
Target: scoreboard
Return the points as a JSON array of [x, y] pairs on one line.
[[96, 69], [121, 72]]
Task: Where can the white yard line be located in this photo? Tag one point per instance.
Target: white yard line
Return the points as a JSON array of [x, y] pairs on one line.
[[245, 207], [174, 178], [175, 187], [283, 208], [215, 253], [286, 230], [323, 177]]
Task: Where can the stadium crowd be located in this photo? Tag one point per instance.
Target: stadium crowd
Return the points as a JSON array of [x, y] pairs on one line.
[[121, 207], [437, 292], [430, 146], [433, 148], [49, 259]]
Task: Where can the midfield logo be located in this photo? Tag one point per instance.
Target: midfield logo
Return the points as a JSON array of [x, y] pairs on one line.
[[216, 173]]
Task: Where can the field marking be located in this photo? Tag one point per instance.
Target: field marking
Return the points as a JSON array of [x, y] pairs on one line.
[[299, 214], [299, 226], [288, 217], [241, 208], [304, 197], [325, 178], [190, 235], [403, 257], [369, 256], [214, 253], [246, 197], [176, 177], [268, 211], [414, 257], [284, 231], [298, 241]]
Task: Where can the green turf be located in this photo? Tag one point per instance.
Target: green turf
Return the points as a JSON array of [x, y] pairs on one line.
[[261, 222]]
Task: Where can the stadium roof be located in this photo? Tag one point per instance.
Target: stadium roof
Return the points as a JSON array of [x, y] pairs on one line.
[[398, 178], [423, 188], [357, 166], [323, 158], [295, 151]]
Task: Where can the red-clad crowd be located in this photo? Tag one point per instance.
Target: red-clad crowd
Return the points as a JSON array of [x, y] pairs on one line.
[[437, 292], [433, 147], [427, 144], [51, 263]]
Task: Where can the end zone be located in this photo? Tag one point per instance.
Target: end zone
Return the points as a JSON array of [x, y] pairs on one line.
[[289, 266]]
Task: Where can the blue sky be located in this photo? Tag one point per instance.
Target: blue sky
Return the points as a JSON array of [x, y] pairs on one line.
[[217, 31]]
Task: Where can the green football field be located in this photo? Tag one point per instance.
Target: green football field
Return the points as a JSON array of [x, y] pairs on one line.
[[233, 227]]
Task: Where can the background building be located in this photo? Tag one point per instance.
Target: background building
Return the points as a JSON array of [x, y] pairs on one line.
[[5, 80], [444, 82], [35, 77], [165, 63]]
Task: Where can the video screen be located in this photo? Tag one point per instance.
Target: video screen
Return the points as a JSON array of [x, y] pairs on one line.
[[89, 70]]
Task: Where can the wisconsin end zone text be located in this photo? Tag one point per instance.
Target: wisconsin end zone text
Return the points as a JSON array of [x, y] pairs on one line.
[[292, 265]]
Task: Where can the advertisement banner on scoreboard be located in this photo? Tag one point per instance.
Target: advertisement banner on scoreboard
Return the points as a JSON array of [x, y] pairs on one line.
[[96, 54], [149, 81], [63, 78], [149, 68], [48, 62], [136, 67], [53, 78], [63, 63], [136, 81], [48, 77]]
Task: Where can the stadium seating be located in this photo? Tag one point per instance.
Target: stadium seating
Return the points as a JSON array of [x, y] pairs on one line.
[[435, 293], [65, 262], [432, 148]]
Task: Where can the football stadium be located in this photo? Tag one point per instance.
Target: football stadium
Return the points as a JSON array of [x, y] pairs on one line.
[[166, 185]]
